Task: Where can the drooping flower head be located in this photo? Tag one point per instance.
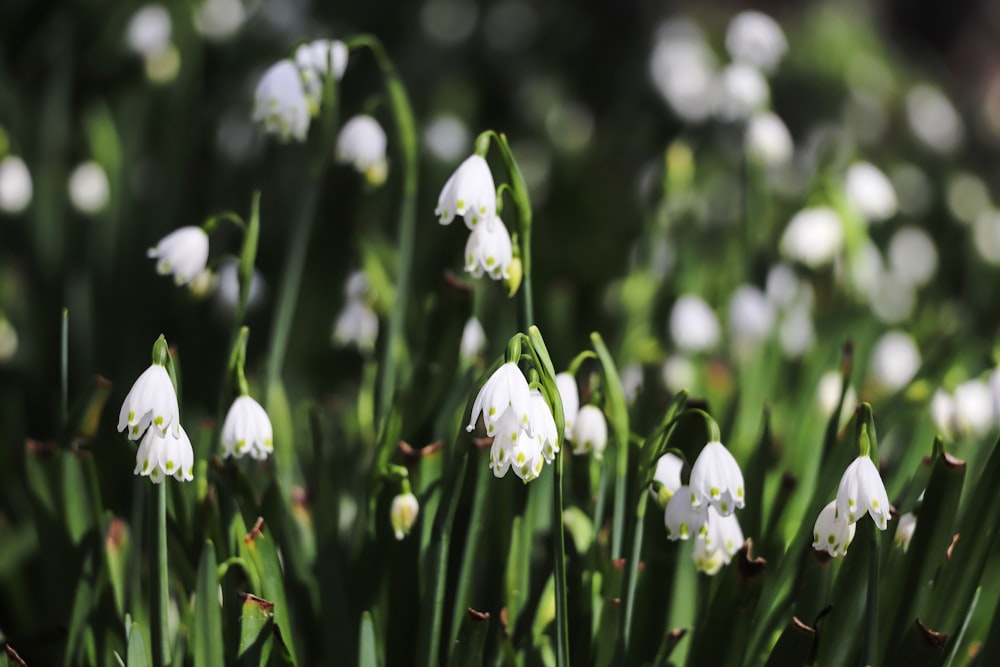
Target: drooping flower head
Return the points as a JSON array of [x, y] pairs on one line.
[[862, 491], [314, 60], [356, 324], [159, 456], [183, 253], [716, 479], [280, 102], [904, 531], [15, 185], [668, 474], [527, 458], [473, 340], [543, 425], [506, 388], [361, 143], [590, 432], [831, 534], [489, 250], [403, 514], [570, 396], [470, 192], [151, 401], [247, 430], [683, 519]]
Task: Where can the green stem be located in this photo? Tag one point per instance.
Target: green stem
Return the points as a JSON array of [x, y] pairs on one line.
[[559, 564], [469, 552], [160, 600], [632, 574], [519, 191], [64, 367], [871, 602]]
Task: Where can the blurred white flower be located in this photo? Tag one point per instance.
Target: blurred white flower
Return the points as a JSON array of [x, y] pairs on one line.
[[756, 39], [768, 140], [986, 235], [828, 397], [148, 31], [740, 90], [933, 119], [15, 185], [693, 325], [796, 331], [403, 514], [631, 380], [894, 361], [904, 531], [814, 236], [219, 20], [280, 103], [682, 68], [942, 411], [314, 60], [161, 456], [89, 190], [751, 318], [893, 298], [968, 196], [183, 253], [151, 400], [974, 412], [782, 285], [356, 287], [247, 430], [862, 492], [865, 268], [570, 397], [362, 143], [831, 534], [678, 372], [505, 388], [489, 250], [716, 479], [469, 192], [227, 286], [357, 324], [913, 189], [870, 192], [473, 341], [590, 432], [913, 255], [8, 339], [446, 137]]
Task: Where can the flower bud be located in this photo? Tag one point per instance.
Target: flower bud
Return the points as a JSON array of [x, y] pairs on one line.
[[515, 271], [403, 514]]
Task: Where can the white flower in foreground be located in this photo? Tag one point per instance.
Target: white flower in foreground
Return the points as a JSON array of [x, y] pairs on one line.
[[831, 534], [159, 456], [913, 255], [870, 192], [740, 90], [473, 340], [151, 400], [814, 236], [183, 252], [506, 433], [15, 185], [570, 396], [506, 388], [148, 31], [904, 531], [362, 143], [89, 190], [280, 103], [469, 192], [543, 425], [590, 432], [706, 560], [489, 250], [716, 479], [693, 325], [314, 60], [768, 140], [357, 324], [527, 458], [682, 519], [862, 491], [403, 514], [895, 360], [722, 533], [247, 430], [668, 474], [757, 39]]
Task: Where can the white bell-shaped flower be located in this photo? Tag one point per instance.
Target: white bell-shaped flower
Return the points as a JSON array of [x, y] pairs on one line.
[[403, 514], [814, 236], [506, 388], [768, 140], [895, 360], [722, 533], [470, 192], [831, 534], [543, 425], [716, 479], [942, 411], [683, 519], [362, 143], [678, 372], [159, 456], [751, 318], [870, 192], [862, 491], [89, 189], [668, 474], [151, 401], [590, 432], [706, 560], [570, 395], [314, 60], [974, 414], [473, 341], [15, 185], [183, 253], [693, 325], [506, 433], [933, 118], [247, 430], [489, 250], [632, 379], [904, 531], [280, 102], [682, 68], [527, 458], [755, 38], [357, 324]]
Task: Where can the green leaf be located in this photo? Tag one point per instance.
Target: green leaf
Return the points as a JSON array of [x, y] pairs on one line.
[[518, 576], [256, 632], [796, 646], [138, 654], [468, 650], [265, 557], [207, 630], [656, 444], [368, 655]]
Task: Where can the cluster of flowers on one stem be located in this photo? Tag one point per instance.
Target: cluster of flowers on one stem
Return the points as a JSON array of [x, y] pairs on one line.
[[357, 323], [518, 417], [470, 193], [861, 492], [704, 508]]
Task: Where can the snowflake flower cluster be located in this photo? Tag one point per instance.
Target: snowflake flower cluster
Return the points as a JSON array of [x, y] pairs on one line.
[[861, 492]]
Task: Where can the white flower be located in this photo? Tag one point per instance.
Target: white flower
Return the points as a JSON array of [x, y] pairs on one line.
[[280, 102], [247, 430], [227, 286], [913, 255], [590, 432], [870, 192], [933, 119], [489, 250], [678, 373], [683, 519], [716, 479], [356, 287], [159, 456], [682, 68], [15, 185], [527, 458], [356, 324], [814, 236], [796, 332], [768, 140], [361, 143], [631, 379], [942, 410], [183, 252], [218, 20], [151, 400], [828, 396], [543, 425], [403, 514], [706, 560], [986, 235], [974, 413], [751, 318], [469, 192], [446, 137], [668, 474], [89, 189], [722, 533], [473, 340], [570, 395], [506, 388], [314, 60], [862, 491], [831, 534], [904, 531], [895, 360], [693, 325], [740, 90], [148, 31], [782, 286], [757, 39], [506, 433]]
